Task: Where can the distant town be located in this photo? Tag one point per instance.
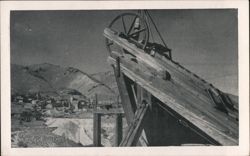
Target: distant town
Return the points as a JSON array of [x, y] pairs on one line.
[[35, 106]]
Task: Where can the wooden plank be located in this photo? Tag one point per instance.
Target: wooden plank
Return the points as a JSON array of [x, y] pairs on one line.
[[175, 90], [197, 94], [162, 75], [118, 129], [126, 103], [152, 62], [139, 93], [156, 62], [97, 130], [175, 65], [96, 125], [184, 77], [118, 67], [135, 94], [185, 89], [131, 48], [196, 116]]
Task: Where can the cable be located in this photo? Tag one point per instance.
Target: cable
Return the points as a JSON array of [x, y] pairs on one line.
[[156, 28], [149, 27]]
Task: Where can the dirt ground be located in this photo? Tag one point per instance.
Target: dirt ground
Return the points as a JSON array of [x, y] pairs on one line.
[[62, 132], [37, 134]]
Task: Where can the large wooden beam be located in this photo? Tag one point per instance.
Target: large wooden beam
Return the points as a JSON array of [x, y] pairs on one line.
[[179, 74], [131, 48], [125, 99], [97, 130], [156, 62], [118, 129], [198, 114], [96, 126]]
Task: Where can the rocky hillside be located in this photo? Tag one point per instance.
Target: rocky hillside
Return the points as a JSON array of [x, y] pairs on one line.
[[53, 78], [107, 78]]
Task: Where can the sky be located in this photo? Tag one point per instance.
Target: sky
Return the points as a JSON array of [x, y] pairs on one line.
[[204, 41]]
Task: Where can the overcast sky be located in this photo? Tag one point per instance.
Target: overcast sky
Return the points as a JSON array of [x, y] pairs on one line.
[[204, 41]]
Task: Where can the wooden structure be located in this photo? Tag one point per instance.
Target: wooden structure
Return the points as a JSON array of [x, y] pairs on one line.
[[97, 123], [166, 104]]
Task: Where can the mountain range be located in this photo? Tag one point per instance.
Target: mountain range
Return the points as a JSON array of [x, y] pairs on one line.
[[49, 78]]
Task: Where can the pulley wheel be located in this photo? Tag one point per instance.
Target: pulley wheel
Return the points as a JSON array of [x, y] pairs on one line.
[[130, 26]]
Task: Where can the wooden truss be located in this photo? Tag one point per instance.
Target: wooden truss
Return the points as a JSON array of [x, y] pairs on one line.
[[142, 78]]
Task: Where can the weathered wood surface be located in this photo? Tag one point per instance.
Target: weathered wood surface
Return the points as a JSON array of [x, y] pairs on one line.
[[96, 126], [210, 120], [128, 101], [128, 107], [184, 94], [181, 75], [97, 130], [118, 129]]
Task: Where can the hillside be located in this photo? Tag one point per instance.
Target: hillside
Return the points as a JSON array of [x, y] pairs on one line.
[[22, 81], [107, 78], [53, 78]]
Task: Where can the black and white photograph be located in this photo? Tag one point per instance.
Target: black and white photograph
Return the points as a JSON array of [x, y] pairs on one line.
[[141, 77]]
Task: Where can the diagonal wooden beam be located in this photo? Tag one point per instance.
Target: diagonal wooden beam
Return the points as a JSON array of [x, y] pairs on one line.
[[178, 72], [136, 127]]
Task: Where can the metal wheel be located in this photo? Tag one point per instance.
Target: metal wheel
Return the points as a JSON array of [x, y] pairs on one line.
[[130, 26]]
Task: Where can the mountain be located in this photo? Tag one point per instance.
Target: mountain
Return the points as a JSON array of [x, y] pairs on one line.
[[54, 78], [22, 81], [107, 78]]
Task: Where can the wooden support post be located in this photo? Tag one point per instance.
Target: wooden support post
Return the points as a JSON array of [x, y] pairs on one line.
[[96, 126], [139, 93], [118, 67], [97, 130], [118, 129], [125, 99], [149, 99]]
